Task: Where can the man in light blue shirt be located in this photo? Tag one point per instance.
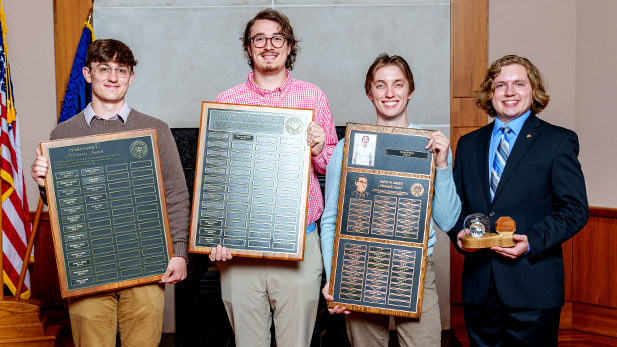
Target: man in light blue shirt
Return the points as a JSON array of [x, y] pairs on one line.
[[389, 85]]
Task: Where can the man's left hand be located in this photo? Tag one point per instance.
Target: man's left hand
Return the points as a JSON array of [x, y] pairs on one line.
[[315, 138], [438, 144], [522, 245], [176, 270]]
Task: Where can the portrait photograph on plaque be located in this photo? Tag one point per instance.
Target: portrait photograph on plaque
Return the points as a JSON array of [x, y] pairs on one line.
[[383, 221], [251, 181], [107, 211]]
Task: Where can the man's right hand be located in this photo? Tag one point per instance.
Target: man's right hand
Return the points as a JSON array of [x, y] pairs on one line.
[[459, 241], [220, 253], [38, 170], [330, 298]]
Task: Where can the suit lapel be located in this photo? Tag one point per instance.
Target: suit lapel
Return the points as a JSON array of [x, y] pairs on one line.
[[525, 138], [483, 144]]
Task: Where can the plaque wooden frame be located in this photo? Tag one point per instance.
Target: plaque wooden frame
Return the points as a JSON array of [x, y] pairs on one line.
[[243, 227], [88, 147], [360, 279]]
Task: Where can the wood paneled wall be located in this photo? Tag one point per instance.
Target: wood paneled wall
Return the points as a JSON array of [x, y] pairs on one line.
[[590, 263], [43, 272], [469, 60]]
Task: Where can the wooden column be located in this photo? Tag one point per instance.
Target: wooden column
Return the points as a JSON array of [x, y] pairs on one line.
[[69, 18], [468, 63]]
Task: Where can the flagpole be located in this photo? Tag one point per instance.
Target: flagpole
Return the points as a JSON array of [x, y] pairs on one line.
[[24, 267], [1, 248]]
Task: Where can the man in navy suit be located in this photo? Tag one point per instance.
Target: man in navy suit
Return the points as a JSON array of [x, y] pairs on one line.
[[525, 168]]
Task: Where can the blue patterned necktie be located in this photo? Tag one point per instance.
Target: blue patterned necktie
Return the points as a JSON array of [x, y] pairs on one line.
[[501, 157]]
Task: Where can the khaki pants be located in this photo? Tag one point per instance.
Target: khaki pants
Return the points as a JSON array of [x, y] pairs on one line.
[[371, 330], [256, 291], [137, 311]]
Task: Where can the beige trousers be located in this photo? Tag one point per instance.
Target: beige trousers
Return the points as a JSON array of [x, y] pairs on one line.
[[137, 311], [371, 330], [257, 291]]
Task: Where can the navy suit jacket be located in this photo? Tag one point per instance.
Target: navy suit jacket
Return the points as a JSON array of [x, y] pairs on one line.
[[543, 190]]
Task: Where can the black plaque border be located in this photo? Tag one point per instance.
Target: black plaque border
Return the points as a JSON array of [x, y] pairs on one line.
[[344, 196], [54, 215]]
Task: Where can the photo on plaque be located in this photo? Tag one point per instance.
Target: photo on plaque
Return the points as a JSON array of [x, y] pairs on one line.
[[364, 149], [383, 221], [251, 181], [107, 210]]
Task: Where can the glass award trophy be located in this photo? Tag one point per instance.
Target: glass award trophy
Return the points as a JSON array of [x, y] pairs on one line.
[[480, 235]]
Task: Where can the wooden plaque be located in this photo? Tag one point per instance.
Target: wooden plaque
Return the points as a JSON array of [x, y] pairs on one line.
[[107, 210], [383, 220], [251, 181]]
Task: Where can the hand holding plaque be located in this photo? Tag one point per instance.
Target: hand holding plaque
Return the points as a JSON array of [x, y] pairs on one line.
[[480, 236]]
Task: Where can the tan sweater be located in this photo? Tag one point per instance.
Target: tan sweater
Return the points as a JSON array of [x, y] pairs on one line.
[[176, 192]]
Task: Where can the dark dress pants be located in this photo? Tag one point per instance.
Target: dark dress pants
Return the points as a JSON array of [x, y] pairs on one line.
[[494, 324]]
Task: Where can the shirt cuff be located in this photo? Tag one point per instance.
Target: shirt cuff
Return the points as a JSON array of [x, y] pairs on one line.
[[320, 162], [181, 250]]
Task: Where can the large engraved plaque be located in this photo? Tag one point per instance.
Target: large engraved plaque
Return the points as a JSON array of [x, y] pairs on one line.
[[108, 212], [251, 181], [383, 221]]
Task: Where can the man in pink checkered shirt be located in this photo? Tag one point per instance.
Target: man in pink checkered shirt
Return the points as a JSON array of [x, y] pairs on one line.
[[255, 291]]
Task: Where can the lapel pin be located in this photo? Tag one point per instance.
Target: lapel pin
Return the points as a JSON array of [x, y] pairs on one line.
[[528, 136]]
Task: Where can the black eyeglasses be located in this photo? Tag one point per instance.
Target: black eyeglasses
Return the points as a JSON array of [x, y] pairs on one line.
[[260, 41]]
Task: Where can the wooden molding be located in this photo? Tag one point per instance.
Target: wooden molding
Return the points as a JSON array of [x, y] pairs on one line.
[[603, 212], [565, 319]]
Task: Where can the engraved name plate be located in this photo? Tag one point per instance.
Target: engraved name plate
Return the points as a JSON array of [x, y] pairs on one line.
[[251, 181], [383, 221], [107, 210]]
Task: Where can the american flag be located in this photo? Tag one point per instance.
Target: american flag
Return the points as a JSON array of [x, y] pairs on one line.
[[16, 226]]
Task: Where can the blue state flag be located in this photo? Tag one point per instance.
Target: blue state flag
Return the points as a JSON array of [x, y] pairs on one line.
[[78, 92]]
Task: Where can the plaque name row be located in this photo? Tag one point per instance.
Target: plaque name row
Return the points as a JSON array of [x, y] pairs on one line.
[[372, 274], [110, 223], [242, 175]]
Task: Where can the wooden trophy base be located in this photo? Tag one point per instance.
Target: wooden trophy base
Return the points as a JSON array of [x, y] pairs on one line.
[[491, 240], [505, 227], [21, 324]]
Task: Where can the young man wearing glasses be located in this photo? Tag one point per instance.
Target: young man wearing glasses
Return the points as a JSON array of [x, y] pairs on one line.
[[136, 311], [256, 291]]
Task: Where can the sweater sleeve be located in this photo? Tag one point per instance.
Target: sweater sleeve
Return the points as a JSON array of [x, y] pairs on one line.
[[328, 218], [446, 203]]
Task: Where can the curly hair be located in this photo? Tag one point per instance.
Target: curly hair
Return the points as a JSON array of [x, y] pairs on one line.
[[384, 59], [286, 30], [110, 50], [487, 90]]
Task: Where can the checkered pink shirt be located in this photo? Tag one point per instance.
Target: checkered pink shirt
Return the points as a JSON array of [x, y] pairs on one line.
[[295, 94]]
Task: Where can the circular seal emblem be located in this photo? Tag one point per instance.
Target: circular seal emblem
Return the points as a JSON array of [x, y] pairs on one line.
[[139, 149], [417, 190], [293, 126]]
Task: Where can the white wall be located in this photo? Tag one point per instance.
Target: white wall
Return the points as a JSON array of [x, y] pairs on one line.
[[30, 48], [596, 90], [572, 43], [193, 52]]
